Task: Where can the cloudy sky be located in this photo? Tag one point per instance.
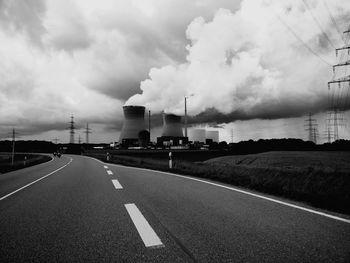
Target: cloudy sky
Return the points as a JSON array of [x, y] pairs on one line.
[[255, 67]]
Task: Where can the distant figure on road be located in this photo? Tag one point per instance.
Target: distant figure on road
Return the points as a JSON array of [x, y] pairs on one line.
[[58, 154]]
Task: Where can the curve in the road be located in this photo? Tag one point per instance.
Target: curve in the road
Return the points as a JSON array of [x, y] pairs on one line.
[[345, 220], [35, 181]]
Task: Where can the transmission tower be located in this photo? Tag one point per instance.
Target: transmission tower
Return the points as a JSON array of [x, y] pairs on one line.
[[72, 129], [339, 88], [328, 134], [311, 128], [87, 132]]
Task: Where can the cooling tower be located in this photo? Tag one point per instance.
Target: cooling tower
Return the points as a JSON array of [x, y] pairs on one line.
[[213, 135], [197, 135], [172, 125], [134, 122]]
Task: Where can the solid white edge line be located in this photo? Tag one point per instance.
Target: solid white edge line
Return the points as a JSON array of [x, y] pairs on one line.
[[116, 184], [109, 172], [146, 232], [258, 196], [238, 190], [37, 180]]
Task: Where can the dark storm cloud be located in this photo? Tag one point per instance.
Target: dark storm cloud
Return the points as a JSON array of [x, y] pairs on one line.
[[28, 129], [267, 110]]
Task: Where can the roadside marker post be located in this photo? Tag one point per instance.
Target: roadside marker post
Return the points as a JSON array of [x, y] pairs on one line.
[[107, 157], [170, 161]]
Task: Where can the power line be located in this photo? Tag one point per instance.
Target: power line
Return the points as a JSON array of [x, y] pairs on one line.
[[333, 20], [340, 85], [318, 23], [301, 41]]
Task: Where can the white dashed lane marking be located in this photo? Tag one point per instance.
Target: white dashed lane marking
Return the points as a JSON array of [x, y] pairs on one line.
[[105, 166], [109, 172], [147, 234], [116, 184]]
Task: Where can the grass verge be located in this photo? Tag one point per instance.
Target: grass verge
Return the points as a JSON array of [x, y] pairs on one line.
[[20, 162]]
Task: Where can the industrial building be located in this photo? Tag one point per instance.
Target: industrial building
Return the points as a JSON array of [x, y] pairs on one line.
[[196, 135], [134, 134], [203, 136], [212, 135]]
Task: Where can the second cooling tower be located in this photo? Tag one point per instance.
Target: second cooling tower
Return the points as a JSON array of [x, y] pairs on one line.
[[172, 125], [134, 122]]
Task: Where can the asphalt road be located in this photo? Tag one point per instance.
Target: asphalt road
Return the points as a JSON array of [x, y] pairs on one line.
[[77, 209]]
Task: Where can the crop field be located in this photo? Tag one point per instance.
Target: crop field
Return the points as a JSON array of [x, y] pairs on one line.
[[320, 179], [335, 161]]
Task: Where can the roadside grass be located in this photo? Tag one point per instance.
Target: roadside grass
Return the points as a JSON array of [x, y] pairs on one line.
[[32, 159], [324, 186]]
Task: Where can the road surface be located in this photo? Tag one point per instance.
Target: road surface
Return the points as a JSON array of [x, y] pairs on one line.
[[78, 209]]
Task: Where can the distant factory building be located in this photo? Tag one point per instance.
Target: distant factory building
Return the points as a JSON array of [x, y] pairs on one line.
[[172, 134], [134, 123], [196, 135], [212, 135]]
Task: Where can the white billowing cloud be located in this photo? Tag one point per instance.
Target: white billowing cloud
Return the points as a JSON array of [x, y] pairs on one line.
[[84, 57], [248, 59]]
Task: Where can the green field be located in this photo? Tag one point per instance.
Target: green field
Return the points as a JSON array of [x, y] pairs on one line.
[[321, 179]]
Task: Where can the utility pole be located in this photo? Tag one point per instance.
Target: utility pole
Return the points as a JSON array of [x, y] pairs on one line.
[[87, 132], [185, 116], [79, 139], [13, 145], [72, 129], [149, 124]]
